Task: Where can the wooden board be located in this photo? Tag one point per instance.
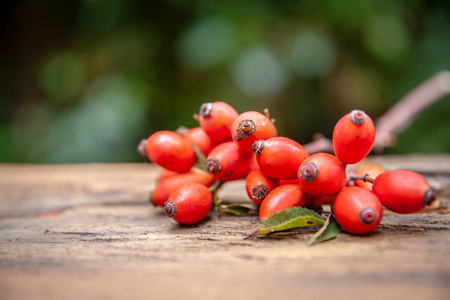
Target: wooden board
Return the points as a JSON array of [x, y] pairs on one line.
[[88, 232]]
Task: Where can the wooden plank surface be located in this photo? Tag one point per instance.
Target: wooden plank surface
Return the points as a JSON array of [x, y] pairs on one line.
[[88, 232]]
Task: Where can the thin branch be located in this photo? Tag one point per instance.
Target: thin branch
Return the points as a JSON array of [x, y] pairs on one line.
[[319, 144], [365, 178], [402, 114]]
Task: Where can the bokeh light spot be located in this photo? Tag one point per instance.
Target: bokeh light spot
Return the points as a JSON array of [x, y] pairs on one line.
[[313, 54], [206, 44], [258, 73], [103, 127], [101, 15], [387, 38], [63, 75]]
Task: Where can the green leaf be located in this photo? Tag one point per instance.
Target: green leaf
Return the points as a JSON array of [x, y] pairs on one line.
[[289, 218], [243, 209], [239, 209], [328, 231]]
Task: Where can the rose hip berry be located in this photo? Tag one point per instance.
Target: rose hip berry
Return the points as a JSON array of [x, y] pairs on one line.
[[251, 126], [258, 186], [166, 186], [189, 204], [322, 174], [279, 157], [216, 119], [200, 139], [403, 191], [227, 162], [357, 210], [171, 151], [353, 137], [282, 197]]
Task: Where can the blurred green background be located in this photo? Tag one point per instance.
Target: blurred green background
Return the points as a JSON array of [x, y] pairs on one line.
[[84, 81]]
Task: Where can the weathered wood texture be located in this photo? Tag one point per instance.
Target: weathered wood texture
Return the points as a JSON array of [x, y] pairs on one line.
[[88, 232]]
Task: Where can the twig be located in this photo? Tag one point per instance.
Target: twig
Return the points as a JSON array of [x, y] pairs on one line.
[[320, 143], [402, 114], [365, 178]]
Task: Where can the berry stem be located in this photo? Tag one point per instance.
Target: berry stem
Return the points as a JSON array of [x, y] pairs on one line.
[[200, 159], [364, 178], [181, 130], [217, 203], [215, 187], [142, 149], [196, 117], [267, 114]]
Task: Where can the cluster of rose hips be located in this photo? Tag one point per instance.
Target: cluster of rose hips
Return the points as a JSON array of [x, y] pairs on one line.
[[279, 172]]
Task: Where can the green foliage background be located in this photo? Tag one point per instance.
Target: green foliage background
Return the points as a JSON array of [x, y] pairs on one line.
[[85, 80]]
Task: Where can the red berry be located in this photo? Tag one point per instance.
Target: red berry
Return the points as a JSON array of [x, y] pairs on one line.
[[259, 185], [357, 210], [403, 191], [353, 137], [227, 162], [322, 174], [189, 204], [279, 157], [282, 197], [200, 139], [166, 186], [171, 151], [216, 119], [251, 126]]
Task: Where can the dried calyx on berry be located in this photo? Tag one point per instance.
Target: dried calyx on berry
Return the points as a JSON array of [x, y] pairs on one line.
[[367, 215], [170, 209], [213, 165], [205, 109], [260, 192], [429, 196], [309, 172], [246, 128], [357, 116], [257, 147]]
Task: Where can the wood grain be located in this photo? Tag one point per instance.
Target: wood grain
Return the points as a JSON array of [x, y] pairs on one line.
[[88, 232]]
